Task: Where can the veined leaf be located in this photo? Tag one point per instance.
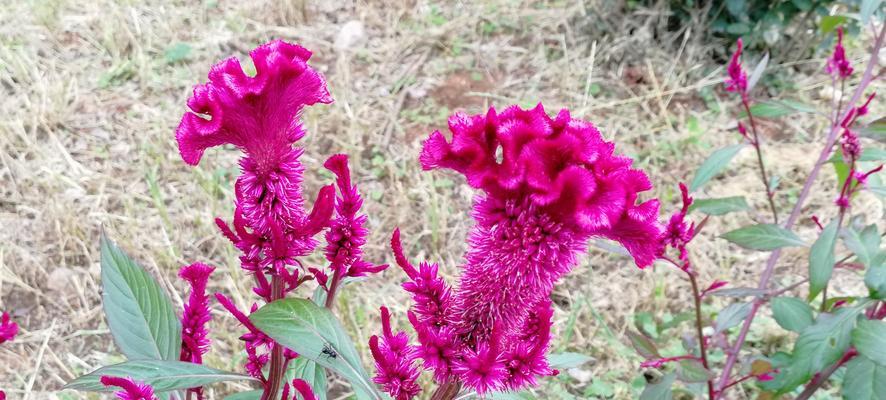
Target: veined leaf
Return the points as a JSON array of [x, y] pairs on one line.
[[567, 360], [869, 338], [139, 314], [644, 345], [314, 332], [864, 380], [821, 259], [763, 237], [163, 376], [780, 108], [792, 313], [308, 371], [712, 166], [719, 206], [865, 244], [660, 390], [731, 316]]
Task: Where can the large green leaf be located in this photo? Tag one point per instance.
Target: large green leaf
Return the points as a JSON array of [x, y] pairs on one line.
[[763, 237], [712, 166], [774, 109], [865, 244], [314, 332], [821, 259], [875, 278], [139, 314], [659, 389], [719, 206], [731, 316], [308, 371], [161, 375], [869, 338], [864, 380], [818, 346], [567, 360], [792, 313]]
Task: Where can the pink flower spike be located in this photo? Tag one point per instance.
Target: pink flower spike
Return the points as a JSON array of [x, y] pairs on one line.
[[131, 390], [401, 259], [864, 108], [838, 64], [258, 114], [744, 132], [481, 370], [738, 79], [394, 359], [303, 389], [195, 339], [8, 329]]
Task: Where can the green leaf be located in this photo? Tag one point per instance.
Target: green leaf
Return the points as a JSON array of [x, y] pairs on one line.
[[163, 376], [713, 165], [314, 332], [821, 259], [758, 72], [248, 395], [693, 371], [738, 28], [659, 390], [177, 52], [567, 360], [867, 9], [869, 338], [308, 371], [719, 206], [831, 22], [864, 380], [875, 278], [780, 108], [731, 316], [818, 346], [864, 244], [644, 345], [739, 292], [139, 314], [792, 313], [763, 237]]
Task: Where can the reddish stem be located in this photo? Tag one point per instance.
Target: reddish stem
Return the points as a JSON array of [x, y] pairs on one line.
[[759, 150], [699, 330], [275, 373]]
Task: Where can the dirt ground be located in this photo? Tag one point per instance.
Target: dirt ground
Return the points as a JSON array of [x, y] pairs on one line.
[[91, 92]]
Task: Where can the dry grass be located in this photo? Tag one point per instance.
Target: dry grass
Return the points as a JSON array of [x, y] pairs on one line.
[[91, 93]]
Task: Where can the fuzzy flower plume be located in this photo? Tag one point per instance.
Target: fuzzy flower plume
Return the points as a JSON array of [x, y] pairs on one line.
[[129, 389], [838, 65], [195, 339], [738, 78], [549, 184], [347, 231], [394, 358], [8, 328]]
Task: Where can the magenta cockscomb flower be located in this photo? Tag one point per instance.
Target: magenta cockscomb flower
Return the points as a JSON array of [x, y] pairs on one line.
[[303, 390], [347, 231], [129, 389], [549, 185], [394, 358], [195, 334], [838, 65], [8, 328], [738, 78]]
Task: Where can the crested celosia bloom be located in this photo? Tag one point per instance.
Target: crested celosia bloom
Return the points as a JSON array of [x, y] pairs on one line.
[[549, 184], [8, 329], [129, 389], [838, 64], [195, 334], [738, 78], [260, 115], [271, 227]]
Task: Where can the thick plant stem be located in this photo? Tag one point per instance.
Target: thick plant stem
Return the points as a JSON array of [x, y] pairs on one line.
[[700, 332], [770, 195], [333, 287], [831, 138], [275, 373]]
